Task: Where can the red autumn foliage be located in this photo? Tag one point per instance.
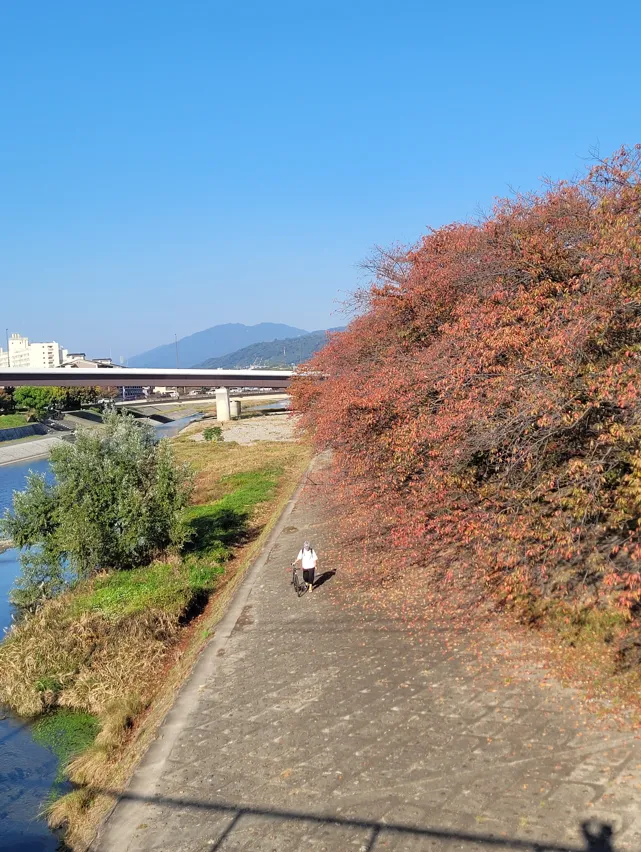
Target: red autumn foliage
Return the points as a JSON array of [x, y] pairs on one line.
[[486, 401]]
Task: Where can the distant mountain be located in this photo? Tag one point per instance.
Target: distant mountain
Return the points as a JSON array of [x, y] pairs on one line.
[[275, 353], [212, 342]]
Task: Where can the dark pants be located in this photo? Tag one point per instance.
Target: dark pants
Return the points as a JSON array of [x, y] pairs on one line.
[[308, 575]]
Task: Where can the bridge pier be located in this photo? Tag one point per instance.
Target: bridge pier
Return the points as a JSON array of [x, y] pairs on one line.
[[222, 405]]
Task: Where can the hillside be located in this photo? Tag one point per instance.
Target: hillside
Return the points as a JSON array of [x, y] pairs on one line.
[[275, 353], [211, 343]]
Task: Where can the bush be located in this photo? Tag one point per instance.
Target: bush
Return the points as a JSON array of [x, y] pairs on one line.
[[213, 433]]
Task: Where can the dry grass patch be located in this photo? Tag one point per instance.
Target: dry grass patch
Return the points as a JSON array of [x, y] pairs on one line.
[[216, 462], [58, 658]]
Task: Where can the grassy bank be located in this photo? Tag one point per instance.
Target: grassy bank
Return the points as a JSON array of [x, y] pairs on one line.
[[10, 421], [115, 648]]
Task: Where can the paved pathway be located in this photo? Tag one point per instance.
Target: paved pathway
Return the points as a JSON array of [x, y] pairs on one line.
[[27, 450], [305, 727]]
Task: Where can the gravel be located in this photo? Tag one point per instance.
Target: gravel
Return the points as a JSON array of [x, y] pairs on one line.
[[270, 427]]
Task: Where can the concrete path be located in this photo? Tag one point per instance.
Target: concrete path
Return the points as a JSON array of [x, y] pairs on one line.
[[26, 450], [308, 727]]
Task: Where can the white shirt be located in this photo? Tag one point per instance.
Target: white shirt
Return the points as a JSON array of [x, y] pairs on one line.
[[308, 558]]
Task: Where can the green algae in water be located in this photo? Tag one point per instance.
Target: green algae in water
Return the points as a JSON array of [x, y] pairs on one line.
[[66, 733]]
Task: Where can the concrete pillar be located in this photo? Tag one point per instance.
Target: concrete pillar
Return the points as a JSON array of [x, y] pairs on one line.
[[234, 409], [222, 405]]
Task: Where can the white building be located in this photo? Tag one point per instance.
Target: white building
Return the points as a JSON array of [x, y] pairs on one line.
[[35, 356]]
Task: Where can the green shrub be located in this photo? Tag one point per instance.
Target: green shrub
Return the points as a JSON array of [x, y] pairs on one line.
[[213, 433]]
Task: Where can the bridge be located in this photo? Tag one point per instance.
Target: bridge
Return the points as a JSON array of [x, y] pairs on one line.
[[109, 377], [144, 377]]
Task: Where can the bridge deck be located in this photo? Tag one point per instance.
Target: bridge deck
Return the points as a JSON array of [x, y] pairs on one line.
[[143, 377]]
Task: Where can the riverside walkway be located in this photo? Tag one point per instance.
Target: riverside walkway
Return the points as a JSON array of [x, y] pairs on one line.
[[22, 451], [305, 727]]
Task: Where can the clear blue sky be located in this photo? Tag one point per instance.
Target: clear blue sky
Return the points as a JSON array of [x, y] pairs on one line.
[[166, 166]]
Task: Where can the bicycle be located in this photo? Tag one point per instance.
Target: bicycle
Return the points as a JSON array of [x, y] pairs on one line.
[[300, 586]]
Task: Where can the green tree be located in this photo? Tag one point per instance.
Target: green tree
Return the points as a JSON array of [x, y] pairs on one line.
[[77, 397], [116, 502], [7, 405], [37, 402]]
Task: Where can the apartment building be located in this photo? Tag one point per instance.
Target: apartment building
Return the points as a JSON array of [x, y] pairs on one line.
[[35, 356]]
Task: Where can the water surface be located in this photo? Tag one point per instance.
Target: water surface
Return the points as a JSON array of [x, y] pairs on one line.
[[27, 770]]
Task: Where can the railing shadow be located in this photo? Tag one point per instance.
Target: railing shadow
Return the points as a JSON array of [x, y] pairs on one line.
[[598, 836]]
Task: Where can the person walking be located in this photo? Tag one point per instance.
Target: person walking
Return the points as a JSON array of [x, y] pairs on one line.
[[307, 556]]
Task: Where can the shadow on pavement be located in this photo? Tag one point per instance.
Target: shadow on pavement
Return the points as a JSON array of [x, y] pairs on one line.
[[323, 578], [598, 836]]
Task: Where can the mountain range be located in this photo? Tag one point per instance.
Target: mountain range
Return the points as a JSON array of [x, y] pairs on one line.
[[212, 343], [274, 353]]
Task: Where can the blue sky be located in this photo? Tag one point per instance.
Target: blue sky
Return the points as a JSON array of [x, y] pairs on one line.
[[166, 166]]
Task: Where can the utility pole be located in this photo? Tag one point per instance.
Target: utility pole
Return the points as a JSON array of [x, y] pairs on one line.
[[177, 362]]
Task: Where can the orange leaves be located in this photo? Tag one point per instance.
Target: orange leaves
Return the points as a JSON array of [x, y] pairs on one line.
[[489, 396]]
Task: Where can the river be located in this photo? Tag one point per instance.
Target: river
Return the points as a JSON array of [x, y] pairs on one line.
[[27, 770]]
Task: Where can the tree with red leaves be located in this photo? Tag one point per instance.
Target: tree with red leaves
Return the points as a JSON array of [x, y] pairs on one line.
[[487, 398]]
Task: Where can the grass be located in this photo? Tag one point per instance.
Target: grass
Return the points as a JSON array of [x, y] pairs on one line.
[[9, 421], [584, 646], [66, 733], [106, 637], [162, 585], [224, 522], [117, 647], [575, 624]]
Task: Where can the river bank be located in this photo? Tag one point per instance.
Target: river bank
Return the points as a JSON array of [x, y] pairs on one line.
[[36, 447], [30, 754], [148, 626], [27, 449]]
